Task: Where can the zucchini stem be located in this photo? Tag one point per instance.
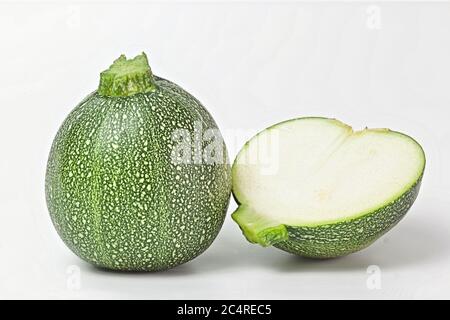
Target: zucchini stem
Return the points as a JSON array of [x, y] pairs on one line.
[[126, 77]]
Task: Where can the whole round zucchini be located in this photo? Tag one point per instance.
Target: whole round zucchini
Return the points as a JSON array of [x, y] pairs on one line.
[[138, 175]]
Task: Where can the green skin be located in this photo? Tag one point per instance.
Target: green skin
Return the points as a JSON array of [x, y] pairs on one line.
[[333, 239], [113, 192], [327, 240]]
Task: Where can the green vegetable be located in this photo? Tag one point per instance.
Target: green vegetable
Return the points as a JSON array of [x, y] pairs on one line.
[[316, 188], [120, 192]]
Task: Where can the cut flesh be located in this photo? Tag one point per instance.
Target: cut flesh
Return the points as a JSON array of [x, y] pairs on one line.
[[316, 171]]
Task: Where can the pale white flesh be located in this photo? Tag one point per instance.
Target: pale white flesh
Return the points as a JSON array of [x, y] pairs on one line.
[[310, 171]]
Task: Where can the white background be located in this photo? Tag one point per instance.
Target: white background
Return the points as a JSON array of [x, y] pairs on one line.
[[252, 65]]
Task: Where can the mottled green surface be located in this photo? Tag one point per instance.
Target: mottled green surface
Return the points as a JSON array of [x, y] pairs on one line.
[[114, 195], [327, 240], [339, 239]]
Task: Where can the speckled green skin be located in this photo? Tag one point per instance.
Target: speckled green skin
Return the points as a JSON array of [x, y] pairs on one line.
[[339, 239], [114, 195]]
